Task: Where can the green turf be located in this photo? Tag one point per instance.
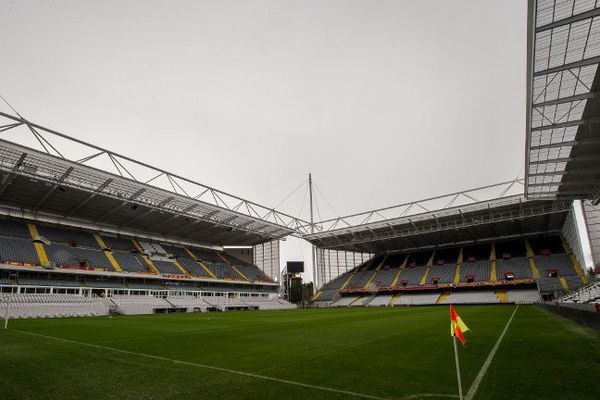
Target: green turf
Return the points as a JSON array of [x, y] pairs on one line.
[[386, 353]]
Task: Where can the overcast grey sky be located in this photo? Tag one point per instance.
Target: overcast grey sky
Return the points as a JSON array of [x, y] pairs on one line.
[[383, 101]]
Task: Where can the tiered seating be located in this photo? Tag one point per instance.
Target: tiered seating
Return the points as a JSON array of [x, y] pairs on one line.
[[193, 267], [416, 299], [385, 277], [362, 301], [189, 302], [360, 279], [387, 272], [130, 262], [561, 262], [132, 305], [216, 264], [61, 235], [412, 275], [268, 304], [332, 288], [519, 266], [380, 301], [14, 229], [549, 285], [18, 250], [176, 251], [471, 297], [444, 266], [166, 267], [480, 270], [225, 303], [63, 254], [364, 272], [152, 248], [586, 294], [574, 282], [523, 296], [250, 271], [345, 301], [122, 244], [223, 271], [444, 272], [52, 306]]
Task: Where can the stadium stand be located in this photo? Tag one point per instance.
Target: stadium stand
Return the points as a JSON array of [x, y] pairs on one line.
[[67, 236], [417, 299], [193, 267], [559, 262], [115, 243], [550, 285], [501, 266], [130, 262], [132, 305], [412, 275], [345, 301], [225, 303], [268, 303], [191, 303], [444, 266], [476, 297], [478, 271], [18, 250], [331, 290], [15, 229], [523, 296], [52, 306], [589, 294], [574, 282], [518, 267], [166, 267], [66, 255], [380, 301]]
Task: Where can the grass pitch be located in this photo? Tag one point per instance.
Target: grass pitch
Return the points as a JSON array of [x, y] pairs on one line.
[[300, 354]]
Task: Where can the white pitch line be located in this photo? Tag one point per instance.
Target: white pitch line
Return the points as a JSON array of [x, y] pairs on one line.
[[488, 361], [211, 367]]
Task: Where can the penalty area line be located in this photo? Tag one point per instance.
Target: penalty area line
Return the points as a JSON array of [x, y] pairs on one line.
[[212, 367], [475, 385]]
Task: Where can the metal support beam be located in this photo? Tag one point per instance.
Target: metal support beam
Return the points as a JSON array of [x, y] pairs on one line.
[[150, 211], [569, 20], [568, 99], [579, 122], [577, 64], [7, 179], [123, 204], [53, 188], [96, 192]]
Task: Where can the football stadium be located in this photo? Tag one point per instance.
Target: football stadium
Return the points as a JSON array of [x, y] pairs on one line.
[[123, 280]]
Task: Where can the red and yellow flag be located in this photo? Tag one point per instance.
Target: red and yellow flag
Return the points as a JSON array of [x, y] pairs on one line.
[[457, 326]]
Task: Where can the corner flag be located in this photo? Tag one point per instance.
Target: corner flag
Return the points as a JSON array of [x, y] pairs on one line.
[[457, 326]]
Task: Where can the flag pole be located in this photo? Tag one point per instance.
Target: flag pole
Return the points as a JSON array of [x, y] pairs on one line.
[[460, 394]]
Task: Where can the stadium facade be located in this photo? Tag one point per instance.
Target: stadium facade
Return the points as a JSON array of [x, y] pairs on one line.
[[82, 221]]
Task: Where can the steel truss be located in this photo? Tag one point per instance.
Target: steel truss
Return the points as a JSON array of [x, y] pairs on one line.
[[103, 173], [430, 208], [562, 99]]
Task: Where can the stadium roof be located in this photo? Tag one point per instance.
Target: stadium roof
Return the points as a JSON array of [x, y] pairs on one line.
[[69, 181], [481, 214], [563, 102]]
